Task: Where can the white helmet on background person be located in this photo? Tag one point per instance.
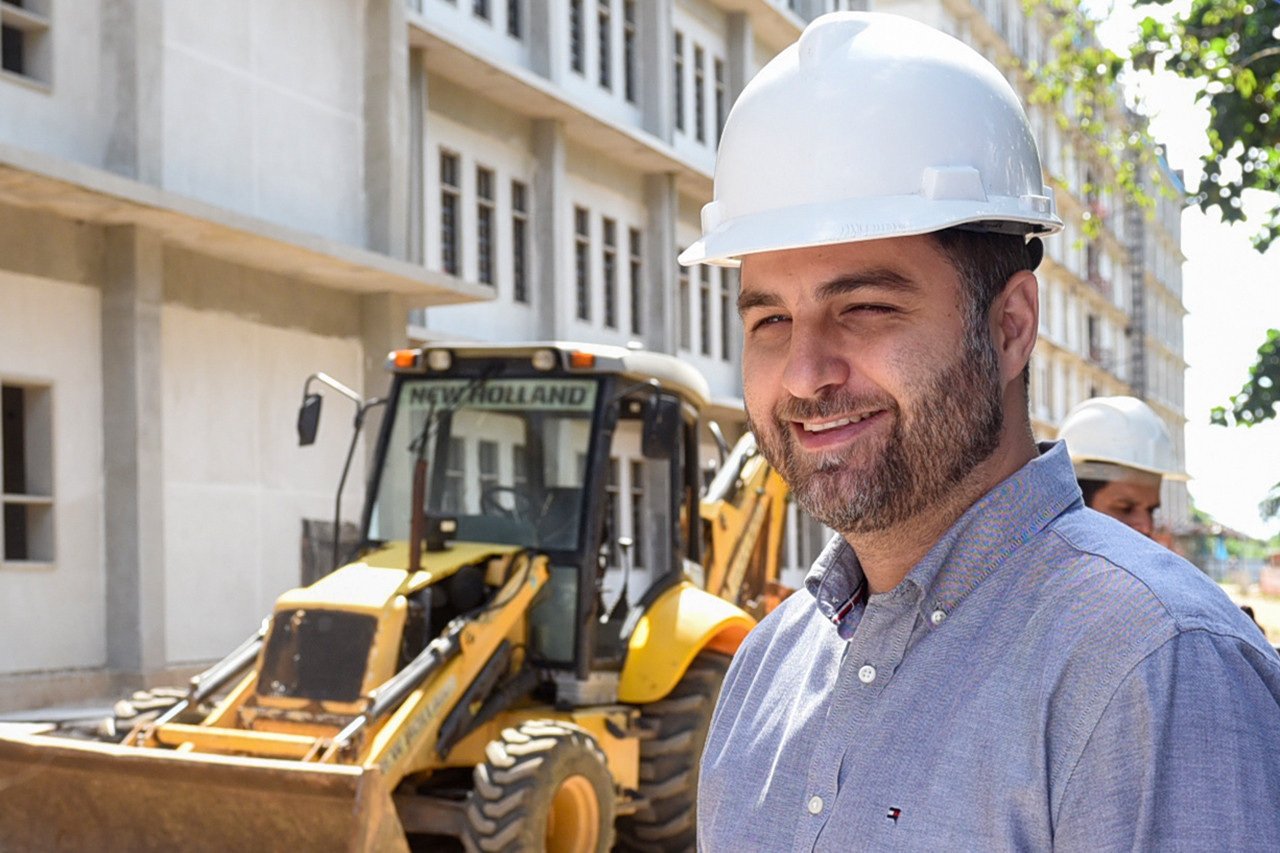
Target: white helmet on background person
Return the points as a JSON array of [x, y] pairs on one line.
[[872, 125], [1110, 437]]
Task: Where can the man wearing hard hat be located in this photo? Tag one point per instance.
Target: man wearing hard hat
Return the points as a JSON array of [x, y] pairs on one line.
[[976, 662], [1121, 451]]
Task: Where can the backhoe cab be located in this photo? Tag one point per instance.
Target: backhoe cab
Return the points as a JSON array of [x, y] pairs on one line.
[[515, 658]]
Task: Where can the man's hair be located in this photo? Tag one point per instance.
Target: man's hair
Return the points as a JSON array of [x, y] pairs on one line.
[[985, 261], [1089, 488]]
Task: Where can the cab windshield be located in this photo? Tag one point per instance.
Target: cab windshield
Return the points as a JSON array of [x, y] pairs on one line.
[[506, 457]]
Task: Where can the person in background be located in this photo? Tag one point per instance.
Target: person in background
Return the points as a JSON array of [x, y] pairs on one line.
[[1121, 451]]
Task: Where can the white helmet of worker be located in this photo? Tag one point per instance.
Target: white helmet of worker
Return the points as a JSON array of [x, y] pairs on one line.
[[870, 126], [1110, 438]]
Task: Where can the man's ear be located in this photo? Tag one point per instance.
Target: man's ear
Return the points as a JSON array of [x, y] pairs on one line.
[[1015, 321]]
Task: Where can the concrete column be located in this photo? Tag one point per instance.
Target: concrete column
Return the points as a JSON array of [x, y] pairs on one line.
[[386, 127], [132, 296], [416, 246], [384, 326], [662, 203], [656, 55], [549, 38], [550, 241], [740, 47], [131, 88]]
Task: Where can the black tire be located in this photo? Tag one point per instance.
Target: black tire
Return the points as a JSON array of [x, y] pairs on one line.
[[669, 761], [544, 787]]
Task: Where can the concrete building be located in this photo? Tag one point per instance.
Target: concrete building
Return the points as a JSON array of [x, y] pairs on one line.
[[199, 209]]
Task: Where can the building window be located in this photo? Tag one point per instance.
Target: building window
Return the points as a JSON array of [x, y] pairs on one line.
[[24, 39], [604, 43], [682, 306], [699, 97], [480, 8], [455, 478], [629, 50], [582, 262], [679, 81], [519, 242], [450, 195], [576, 53], [519, 466], [637, 514], [613, 507], [609, 240], [726, 315], [515, 20], [704, 309], [634, 282], [26, 473], [719, 83], [484, 225], [488, 465]]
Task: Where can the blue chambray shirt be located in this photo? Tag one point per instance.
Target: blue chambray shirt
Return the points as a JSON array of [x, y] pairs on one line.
[[1044, 679]]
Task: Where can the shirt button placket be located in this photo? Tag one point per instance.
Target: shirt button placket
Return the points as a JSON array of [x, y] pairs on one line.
[[867, 673], [815, 805]]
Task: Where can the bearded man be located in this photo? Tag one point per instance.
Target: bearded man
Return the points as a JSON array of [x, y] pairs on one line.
[[978, 663]]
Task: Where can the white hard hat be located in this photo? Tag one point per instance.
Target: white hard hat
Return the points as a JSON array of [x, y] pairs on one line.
[[871, 125], [1105, 433]]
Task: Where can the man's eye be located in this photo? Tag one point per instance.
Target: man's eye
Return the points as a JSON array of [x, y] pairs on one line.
[[771, 320], [870, 309]]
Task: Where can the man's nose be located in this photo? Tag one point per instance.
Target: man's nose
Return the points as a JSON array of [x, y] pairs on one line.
[[814, 364], [1142, 521]]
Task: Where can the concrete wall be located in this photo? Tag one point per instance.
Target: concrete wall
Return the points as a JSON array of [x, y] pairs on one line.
[[237, 486], [262, 110], [66, 117], [52, 614]]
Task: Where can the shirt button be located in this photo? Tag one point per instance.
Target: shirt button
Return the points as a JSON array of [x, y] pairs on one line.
[[937, 616], [815, 805], [867, 674]]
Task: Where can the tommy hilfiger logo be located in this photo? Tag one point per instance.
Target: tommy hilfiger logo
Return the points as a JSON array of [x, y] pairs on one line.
[[894, 814]]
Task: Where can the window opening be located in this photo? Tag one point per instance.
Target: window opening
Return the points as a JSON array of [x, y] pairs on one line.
[[699, 96], [576, 58], [604, 43], [484, 225], [637, 289], [519, 241], [450, 195], [726, 314], [582, 261], [629, 50], [679, 80], [704, 308], [515, 21], [26, 473], [683, 306], [609, 241]]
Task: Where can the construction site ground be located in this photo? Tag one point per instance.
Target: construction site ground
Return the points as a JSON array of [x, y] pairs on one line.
[[1266, 608]]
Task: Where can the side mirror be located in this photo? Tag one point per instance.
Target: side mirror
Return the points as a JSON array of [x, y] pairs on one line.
[[309, 419], [661, 434]]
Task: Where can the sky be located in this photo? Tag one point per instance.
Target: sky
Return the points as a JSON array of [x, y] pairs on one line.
[[1232, 295]]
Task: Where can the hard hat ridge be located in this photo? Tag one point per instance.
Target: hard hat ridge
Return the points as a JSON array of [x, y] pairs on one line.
[[871, 125]]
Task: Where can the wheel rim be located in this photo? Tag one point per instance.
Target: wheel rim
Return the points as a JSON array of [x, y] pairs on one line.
[[573, 825]]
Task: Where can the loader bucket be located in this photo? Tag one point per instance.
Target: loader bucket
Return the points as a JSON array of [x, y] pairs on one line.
[[58, 794]]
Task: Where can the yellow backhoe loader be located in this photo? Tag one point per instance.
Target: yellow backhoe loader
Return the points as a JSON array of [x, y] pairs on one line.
[[469, 678]]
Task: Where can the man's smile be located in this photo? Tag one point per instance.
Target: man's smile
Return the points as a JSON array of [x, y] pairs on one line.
[[827, 433]]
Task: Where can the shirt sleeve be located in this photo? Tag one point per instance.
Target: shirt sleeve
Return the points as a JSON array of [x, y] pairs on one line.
[[1182, 757]]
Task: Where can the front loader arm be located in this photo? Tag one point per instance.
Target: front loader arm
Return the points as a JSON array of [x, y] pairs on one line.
[[745, 512]]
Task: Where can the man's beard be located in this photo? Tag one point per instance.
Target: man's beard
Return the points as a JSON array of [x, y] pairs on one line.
[[955, 425]]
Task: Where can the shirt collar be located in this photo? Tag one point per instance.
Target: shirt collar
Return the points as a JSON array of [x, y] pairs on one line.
[[1000, 521]]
